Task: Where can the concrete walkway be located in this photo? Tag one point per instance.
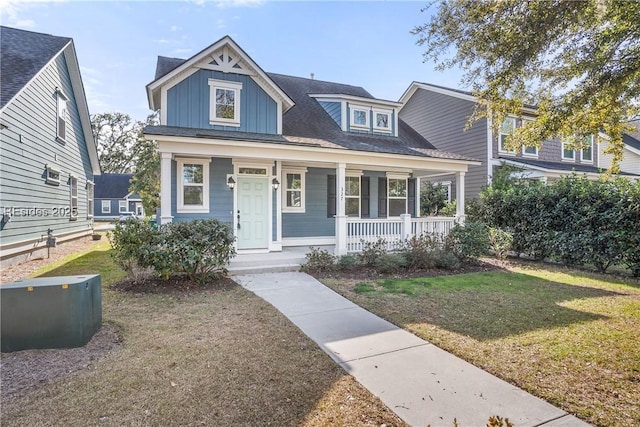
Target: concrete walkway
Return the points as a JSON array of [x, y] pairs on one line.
[[420, 382]]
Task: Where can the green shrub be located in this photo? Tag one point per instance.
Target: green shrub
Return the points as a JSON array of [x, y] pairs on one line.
[[319, 260], [433, 197], [445, 260], [419, 250], [348, 262], [390, 263], [468, 242], [500, 242], [133, 243], [449, 209], [371, 251]]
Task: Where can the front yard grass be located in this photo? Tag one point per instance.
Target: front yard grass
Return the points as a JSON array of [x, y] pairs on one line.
[[214, 356], [569, 337]]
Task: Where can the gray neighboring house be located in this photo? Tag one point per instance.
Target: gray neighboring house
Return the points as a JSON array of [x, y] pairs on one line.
[[112, 197], [440, 114], [49, 156]]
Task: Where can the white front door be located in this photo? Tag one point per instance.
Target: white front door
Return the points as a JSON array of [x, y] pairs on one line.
[[253, 213]]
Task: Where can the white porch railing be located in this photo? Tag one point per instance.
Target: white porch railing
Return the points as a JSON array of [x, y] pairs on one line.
[[394, 231]]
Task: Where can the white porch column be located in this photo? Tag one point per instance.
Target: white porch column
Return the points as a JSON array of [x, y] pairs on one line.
[[278, 243], [406, 226], [165, 188], [341, 217], [460, 197]]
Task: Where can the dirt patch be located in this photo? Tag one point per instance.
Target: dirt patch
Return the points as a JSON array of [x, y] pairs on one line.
[[175, 286], [26, 370]]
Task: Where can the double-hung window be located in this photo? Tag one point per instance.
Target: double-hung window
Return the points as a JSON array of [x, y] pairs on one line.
[[352, 196], [294, 189], [397, 196], [73, 203], [506, 129], [567, 152], [586, 154], [106, 206], [122, 206], [89, 199], [62, 114], [224, 102], [193, 185]]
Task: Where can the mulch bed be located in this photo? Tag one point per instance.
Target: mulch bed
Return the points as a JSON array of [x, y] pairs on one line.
[[177, 285]]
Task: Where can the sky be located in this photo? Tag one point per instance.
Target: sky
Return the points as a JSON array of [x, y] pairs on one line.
[[361, 43]]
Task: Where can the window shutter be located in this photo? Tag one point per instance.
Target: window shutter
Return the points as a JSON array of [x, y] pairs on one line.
[[365, 196], [331, 196], [382, 197], [411, 197]]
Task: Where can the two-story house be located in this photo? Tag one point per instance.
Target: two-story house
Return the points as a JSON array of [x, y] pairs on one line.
[[440, 114], [112, 198], [49, 155], [287, 161]]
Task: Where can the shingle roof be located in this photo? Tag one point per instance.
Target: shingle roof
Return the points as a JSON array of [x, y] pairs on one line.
[[111, 185], [166, 64], [632, 138], [22, 55], [557, 166]]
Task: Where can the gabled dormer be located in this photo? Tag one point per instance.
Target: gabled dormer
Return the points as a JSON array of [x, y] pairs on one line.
[[219, 88], [361, 115]]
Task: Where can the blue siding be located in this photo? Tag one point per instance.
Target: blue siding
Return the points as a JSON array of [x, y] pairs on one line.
[[373, 189], [220, 197], [28, 144], [188, 104], [314, 221], [334, 109]]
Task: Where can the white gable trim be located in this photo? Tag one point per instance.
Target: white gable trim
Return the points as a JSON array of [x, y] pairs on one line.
[[203, 59], [356, 99]]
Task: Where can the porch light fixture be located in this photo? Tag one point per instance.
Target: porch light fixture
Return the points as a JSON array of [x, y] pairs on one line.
[[275, 184], [231, 183]]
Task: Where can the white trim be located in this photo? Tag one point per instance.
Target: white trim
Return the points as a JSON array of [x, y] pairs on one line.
[[358, 197], [562, 150], [398, 177], [302, 171], [352, 122], [102, 206], [90, 201], [388, 113], [344, 117], [62, 113], [357, 99], [525, 154], [504, 150], [123, 206], [308, 241], [590, 161], [163, 105], [278, 242], [73, 216], [180, 207], [268, 165], [55, 169], [236, 87]]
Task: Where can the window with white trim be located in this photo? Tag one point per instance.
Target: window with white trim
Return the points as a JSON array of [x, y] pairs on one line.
[[294, 189], [62, 115], [359, 117], [397, 196], [506, 129], [530, 151], [73, 193], [352, 196], [382, 120], [586, 154], [224, 102], [53, 175], [567, 152], [193, 185], [106, 206], [89, 199], [122, 206]]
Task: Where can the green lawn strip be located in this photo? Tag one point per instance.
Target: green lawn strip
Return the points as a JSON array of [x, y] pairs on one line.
[[206, 357], [567, 336]]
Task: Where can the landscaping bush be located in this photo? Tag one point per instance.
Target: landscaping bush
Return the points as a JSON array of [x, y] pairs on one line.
[[391, 263], [449, 209], [133, 243], [468, 242], [348, 262], [433, 197], [500, 242], [371, 251], [445, 260], [419, 251], [319, 260]]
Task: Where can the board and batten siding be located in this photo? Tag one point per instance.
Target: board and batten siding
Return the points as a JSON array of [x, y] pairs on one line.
[[188, 104], [220, 197], [441, 119], [28, 144]]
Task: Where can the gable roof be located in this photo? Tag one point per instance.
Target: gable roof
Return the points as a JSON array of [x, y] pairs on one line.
[[24, 54], [169, 68], [112, 185], [632, 139]]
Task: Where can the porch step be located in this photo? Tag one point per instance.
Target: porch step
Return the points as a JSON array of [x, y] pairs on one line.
[[258, 269], [289, 259]]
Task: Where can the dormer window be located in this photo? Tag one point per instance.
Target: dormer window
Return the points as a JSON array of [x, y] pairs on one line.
[[359, 117], [224, 103], [382, 120]]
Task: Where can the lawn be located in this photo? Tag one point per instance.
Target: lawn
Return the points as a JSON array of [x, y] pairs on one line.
[[569, 337], [215, 356]]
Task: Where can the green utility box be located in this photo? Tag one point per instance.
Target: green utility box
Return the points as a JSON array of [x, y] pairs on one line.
[[50, 312]]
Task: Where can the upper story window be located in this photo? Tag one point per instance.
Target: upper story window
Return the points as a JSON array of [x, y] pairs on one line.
[[193, 185], [359, 117], [567, 152], [89, 199], [506, 129], [294, 188], [530, 151], [224, 102], [586, 155], [397, 196], [382, 120], [62, 114]]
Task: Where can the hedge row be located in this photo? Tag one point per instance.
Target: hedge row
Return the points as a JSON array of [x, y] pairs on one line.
[[572, 220]]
